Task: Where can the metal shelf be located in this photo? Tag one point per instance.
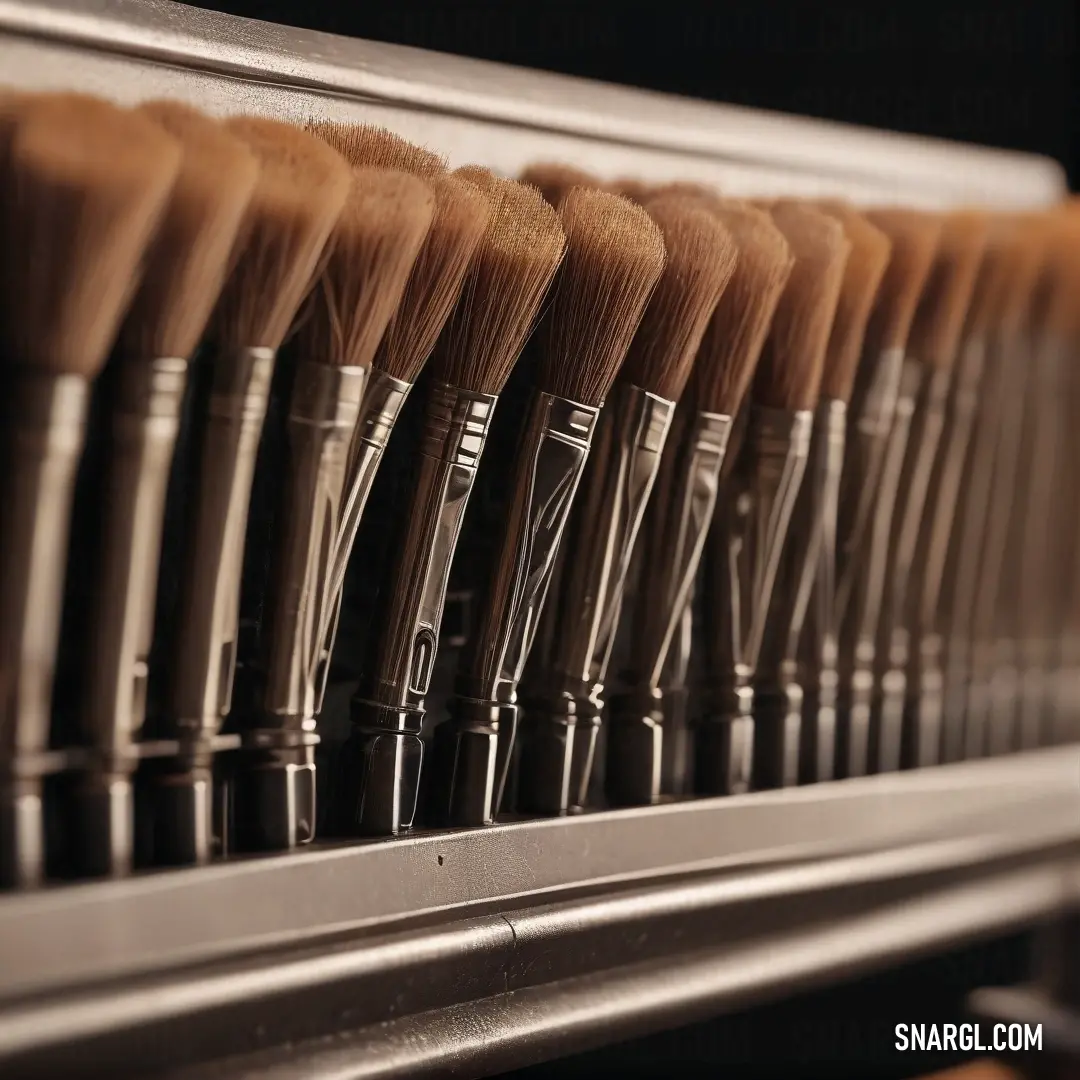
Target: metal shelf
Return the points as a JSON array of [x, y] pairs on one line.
[[494, 945]]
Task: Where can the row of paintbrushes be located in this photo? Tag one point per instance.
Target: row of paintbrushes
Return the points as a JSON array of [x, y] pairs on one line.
[[169, 480]]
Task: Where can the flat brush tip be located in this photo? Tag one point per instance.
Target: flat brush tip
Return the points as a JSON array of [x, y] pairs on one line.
[[86, 184], [553, 180], [511, 269], [614, 257], [792, 364], [369, 145], [731, 347], [863, 273], [939, 316], [701, 257], [302, 186]]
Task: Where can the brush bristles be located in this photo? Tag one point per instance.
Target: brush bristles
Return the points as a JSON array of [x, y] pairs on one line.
[[370, 254], [371, 146], [186, 265], [614, 257], [1030, 246], [505, 285], [87, 183], [635, 190], [553, 180], [303, 184], [1059, 284], [914, 236], [939, 317], [731, 346], [701, 257], [870, 252], [461, 216], [789, 374]]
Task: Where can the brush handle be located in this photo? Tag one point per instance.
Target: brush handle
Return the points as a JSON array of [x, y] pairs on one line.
[[44, 429], [933, 564], [870, 418], [204, 660], [382, 761], [892, 641], [472, 749], [990, 549], [145, 419], [858, 747], [778, 692], [568, 667], [669, 553], [747, 547], [205, 656]]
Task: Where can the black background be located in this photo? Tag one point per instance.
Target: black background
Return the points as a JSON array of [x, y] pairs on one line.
[[998, 73]]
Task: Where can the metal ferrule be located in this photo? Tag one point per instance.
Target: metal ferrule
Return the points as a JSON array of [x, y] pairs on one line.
[[381, 764], [672, 539], [472, 753], [144, 422], [565, 682], [931, 567], [800, 622], [747, 547], [322, 418], [992, 595], [44, 429], [870, 420], [964, 564], [380, 406], [860, 596], [200, 691], [892, 646], [1040, 553]]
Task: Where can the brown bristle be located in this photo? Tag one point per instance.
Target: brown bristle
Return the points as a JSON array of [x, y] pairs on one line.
[[914, 236], [371, 146], [369, 256], [733, 340], [505, 285], [939, 317], [553, 180], [636, 190], [87, 183], [302, 186], [789, 374], [1059, 284], [701, 257], [1031, 244], [687, 187], [482, 178], [461, 215], [863, 273], [614, 257], [186, 264]]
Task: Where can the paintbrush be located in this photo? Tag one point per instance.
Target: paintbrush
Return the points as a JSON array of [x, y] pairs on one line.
[[460, 216], [920, 413], [652, 683], [512, 267], [142, 394], [568, 668], [614, 256], [751, 524], [795, 685], [84, 187], [370, 255], [870, 474], [980, 533], [296, 202], [933, 566]]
